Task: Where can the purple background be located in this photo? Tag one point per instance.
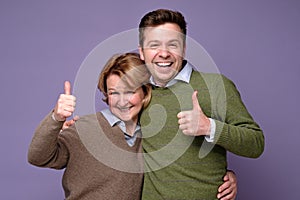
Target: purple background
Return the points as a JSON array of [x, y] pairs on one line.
[[254, 43]]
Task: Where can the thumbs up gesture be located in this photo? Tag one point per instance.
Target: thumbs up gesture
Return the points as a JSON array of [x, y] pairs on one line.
[[194, 122], [65, 105]]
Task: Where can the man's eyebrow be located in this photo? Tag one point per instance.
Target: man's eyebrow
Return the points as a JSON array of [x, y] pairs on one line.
[[153, 41], [158, 41], [174, 40]]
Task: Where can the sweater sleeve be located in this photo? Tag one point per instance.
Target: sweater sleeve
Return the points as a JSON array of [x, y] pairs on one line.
[[46, 148], [236, 131]]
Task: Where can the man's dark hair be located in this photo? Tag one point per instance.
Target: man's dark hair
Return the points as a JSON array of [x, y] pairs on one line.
[[160, 17]]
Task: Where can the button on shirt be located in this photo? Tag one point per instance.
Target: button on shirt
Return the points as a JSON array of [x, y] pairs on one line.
[[113, 120], [185, 76]]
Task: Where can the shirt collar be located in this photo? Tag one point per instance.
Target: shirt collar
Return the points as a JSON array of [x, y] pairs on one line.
[[183, 75], [113, 120]]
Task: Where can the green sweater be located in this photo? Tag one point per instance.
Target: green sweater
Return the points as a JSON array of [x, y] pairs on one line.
[[184, 167]]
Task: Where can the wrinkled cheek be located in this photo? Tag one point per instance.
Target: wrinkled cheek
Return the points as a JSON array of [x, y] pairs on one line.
[[137, 100], [111, 104]]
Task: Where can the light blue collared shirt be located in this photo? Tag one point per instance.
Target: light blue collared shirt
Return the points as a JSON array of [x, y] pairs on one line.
[[185, 76], [113, 120]]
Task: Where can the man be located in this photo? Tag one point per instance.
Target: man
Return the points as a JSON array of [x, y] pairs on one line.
[[185, 151], [165, 68]]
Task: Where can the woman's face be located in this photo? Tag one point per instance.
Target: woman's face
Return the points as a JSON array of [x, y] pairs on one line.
[[123, 101]]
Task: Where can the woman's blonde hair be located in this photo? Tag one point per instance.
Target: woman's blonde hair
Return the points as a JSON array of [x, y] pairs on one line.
[[131, 69]]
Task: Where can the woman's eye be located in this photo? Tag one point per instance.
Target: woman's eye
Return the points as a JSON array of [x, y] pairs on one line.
[[113, 93], [130, 92]]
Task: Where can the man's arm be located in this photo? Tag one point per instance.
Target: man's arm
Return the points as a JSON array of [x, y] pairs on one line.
[[235, 129], [238, 132]]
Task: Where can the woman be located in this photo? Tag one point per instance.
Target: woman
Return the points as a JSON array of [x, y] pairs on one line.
[[122, 81], [101, 163]]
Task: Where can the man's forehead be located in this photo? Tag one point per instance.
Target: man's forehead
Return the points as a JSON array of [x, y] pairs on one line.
[[163, 29], [160, 33]]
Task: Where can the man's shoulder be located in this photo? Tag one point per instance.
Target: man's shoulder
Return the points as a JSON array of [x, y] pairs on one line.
[[209, 77], [213, 81], [206, 74]]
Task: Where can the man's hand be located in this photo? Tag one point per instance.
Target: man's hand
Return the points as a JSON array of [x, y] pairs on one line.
[[194, 122], [65, 105], [228, 190]]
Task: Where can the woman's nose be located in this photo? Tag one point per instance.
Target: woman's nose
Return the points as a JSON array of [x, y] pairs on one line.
[[124, 99]]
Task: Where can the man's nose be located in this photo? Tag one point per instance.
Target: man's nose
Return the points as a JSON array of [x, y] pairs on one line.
[[164, 52]]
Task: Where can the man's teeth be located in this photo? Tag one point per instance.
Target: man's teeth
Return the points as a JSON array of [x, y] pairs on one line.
[[164, 64]]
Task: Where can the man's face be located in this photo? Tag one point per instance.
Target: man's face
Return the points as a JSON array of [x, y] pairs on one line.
[[163, 51]]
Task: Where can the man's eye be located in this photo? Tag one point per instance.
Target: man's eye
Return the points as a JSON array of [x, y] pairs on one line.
[[130, 92], [173, 45], [154, 46]]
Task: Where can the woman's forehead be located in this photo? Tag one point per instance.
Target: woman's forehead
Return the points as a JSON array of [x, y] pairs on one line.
[[121, 83]]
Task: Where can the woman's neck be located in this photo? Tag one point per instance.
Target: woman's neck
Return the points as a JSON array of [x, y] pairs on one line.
[[130, 127]]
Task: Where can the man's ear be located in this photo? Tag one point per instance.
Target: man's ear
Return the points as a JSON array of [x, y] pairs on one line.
[[141, 53], [184, 50]]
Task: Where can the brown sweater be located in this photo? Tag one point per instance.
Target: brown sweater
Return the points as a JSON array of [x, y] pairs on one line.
[[98, 162]]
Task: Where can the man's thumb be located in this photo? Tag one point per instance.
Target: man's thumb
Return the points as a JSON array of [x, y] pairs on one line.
[[195, 100], [67, 87]]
